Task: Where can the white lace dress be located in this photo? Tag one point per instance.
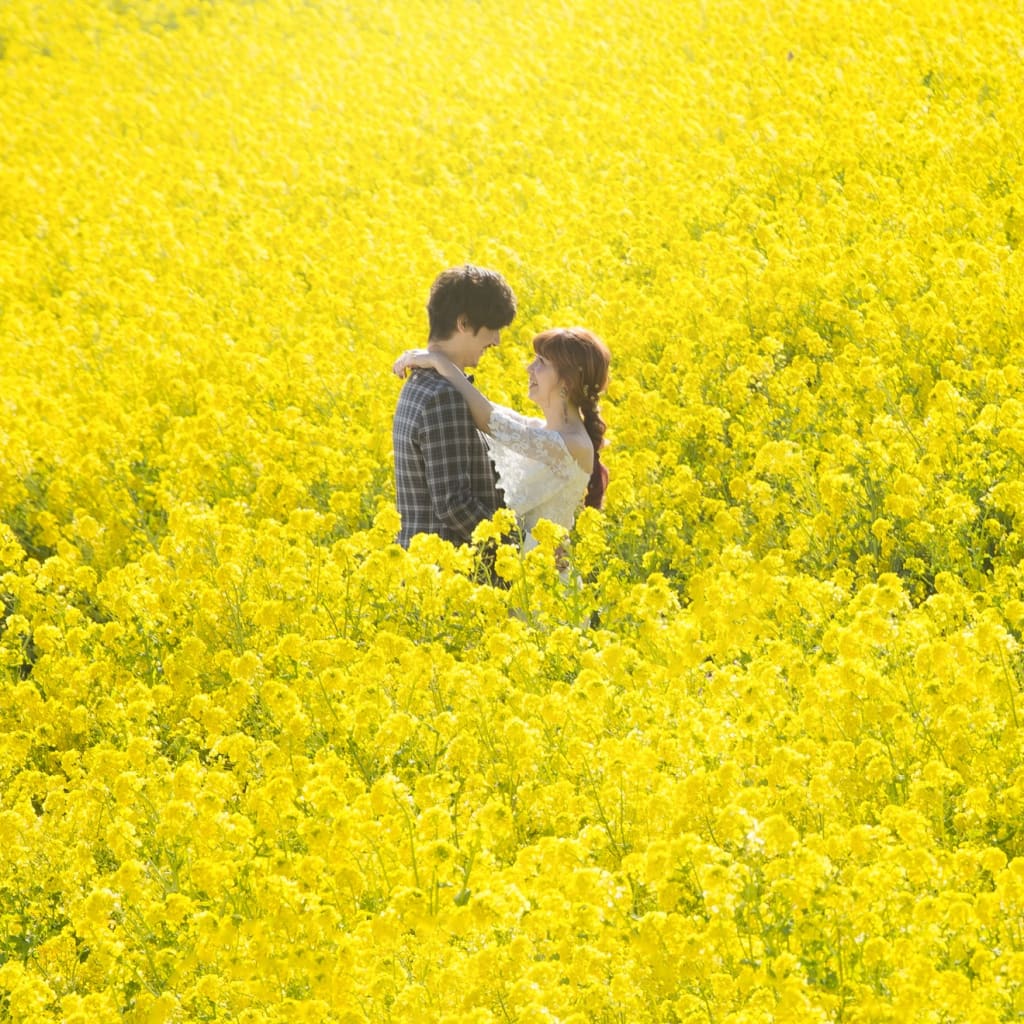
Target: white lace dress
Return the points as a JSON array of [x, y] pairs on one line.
[[536, 470]]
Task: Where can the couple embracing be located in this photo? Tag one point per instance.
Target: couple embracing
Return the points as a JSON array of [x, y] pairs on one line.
[[460, 457]]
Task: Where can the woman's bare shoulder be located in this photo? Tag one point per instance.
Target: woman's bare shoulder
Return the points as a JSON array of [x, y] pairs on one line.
[[581, 448]]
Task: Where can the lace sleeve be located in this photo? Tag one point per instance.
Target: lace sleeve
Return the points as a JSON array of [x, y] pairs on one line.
[[530, 438], [532, 462]]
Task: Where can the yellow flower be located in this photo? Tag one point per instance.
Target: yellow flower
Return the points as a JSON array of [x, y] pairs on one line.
[[498, 528], [745, 751]]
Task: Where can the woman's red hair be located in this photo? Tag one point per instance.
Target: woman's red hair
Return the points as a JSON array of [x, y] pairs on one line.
[[581, 360]]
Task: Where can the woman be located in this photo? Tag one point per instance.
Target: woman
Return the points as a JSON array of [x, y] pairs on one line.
[[545, 467]]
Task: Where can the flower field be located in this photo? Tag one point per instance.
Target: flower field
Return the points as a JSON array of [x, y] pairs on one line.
[[760, 759]]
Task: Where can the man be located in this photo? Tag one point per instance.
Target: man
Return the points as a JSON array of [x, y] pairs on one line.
[[444, 480]]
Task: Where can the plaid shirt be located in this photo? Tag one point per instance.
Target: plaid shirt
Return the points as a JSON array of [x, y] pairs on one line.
[[444, 480]]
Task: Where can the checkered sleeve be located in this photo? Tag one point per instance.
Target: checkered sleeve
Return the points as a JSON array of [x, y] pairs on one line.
[[457, 471]]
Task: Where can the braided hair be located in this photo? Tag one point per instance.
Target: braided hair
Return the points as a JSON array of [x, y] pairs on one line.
[[581, 361]]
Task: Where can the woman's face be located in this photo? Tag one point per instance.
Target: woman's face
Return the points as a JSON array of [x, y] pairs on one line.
[[544, 381]]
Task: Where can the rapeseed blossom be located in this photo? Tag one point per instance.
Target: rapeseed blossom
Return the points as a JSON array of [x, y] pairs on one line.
[[754, 754]]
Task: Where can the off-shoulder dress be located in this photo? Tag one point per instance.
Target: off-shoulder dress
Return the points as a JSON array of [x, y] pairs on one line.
[[536, 470]]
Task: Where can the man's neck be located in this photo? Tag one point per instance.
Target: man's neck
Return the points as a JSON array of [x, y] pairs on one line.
[[434, 345]]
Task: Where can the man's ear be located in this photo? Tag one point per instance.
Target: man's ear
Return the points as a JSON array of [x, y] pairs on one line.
[[463, 324]]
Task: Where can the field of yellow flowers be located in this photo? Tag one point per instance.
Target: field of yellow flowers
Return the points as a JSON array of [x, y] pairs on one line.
[[759, 759]]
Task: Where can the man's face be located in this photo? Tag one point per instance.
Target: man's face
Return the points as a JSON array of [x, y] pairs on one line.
[[471, 345]]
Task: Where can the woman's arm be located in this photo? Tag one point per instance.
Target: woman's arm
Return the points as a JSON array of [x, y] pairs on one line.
[[420, 358]]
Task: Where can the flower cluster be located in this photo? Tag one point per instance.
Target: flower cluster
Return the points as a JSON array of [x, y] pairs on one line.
[[745, 747]]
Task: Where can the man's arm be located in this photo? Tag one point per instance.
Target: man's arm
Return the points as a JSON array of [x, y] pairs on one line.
[[454, 463]]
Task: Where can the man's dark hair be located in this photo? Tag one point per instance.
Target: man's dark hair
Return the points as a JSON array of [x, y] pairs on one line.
[[482, 296]]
